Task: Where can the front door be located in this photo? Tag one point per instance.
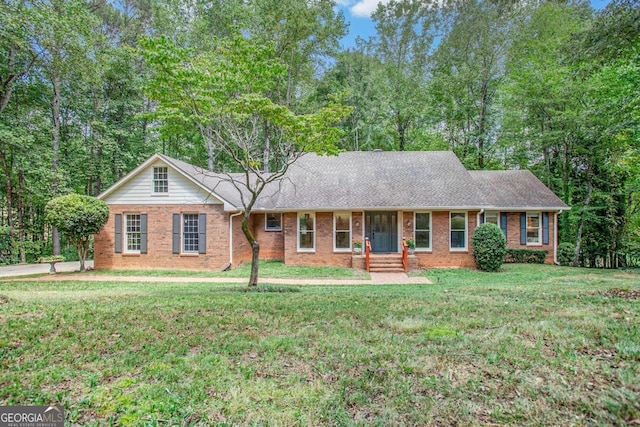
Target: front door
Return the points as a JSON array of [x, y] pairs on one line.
[[382, 230]]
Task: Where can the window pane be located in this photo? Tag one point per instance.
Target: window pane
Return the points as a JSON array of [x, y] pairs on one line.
[[422, 239], [342, 222], [491, 218], [274, 221], [343, 240], [306, 222], [533, 228], [306, 240], [132, 232], [422, 221], [458, 239], [458, 221], [160, 180], [190, 232]]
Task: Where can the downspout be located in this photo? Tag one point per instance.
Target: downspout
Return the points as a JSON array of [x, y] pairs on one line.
[[555, 237], [228, 266]]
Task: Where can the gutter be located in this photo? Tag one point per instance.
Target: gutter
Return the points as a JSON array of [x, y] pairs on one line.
[[555, 237], [231, 216]]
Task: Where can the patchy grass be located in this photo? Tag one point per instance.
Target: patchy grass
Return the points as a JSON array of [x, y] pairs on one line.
[[267, 269], [531, 345]]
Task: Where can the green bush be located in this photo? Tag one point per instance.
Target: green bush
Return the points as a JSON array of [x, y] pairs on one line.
[[566, 251], [525, 256], [489, 247], [78, 217]]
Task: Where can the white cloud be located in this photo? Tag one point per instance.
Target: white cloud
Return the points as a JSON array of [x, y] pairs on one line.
[[364, 8]]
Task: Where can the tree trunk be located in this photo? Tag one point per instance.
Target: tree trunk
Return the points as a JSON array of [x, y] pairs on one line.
[[211, 161], [587, 200], [83, 249], [55, 135], [255, 251], [267, 147], [20, 209], [7, 177]]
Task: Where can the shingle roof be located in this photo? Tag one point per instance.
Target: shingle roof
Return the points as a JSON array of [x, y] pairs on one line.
[[515, 189], [380, 180]]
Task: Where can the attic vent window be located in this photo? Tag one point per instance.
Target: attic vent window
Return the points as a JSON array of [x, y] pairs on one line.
[[160, 180]]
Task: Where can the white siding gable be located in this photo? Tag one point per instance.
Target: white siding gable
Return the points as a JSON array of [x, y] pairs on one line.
[[138, 189]]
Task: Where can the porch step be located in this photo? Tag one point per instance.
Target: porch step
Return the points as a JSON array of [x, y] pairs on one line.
[[386, 264]]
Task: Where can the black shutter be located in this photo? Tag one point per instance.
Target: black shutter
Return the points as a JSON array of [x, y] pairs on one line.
[[523, 228], [118, 237], [143, 233], [503, 223], [481, 218], [176, 233], [545, 228], [202, 233]]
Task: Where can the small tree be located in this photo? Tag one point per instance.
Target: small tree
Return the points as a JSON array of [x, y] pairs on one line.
[[78, 217], [489, 247], [225, 93]]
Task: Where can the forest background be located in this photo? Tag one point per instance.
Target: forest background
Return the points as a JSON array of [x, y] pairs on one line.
[[550, 86]]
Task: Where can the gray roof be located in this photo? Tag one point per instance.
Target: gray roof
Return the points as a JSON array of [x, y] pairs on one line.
[[381, 180], [515, 189]]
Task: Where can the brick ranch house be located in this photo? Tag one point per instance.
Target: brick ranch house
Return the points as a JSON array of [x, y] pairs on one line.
[[169, 214]]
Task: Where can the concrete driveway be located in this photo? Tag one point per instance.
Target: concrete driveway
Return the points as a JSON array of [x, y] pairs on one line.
[[27, 269]]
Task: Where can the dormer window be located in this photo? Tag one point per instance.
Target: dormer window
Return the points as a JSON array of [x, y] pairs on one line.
[[160, 180]]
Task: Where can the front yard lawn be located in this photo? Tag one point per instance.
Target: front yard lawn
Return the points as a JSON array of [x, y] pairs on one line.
[[531, 345], [267, 269]]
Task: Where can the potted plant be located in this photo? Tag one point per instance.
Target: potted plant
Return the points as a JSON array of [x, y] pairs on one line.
[[357, 247], [411, 244]]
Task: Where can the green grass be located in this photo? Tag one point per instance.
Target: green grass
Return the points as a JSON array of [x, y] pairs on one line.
[[267, 269], [531, 345]]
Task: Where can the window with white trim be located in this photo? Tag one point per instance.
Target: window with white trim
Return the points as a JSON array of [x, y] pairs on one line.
[[458, 231], [160, 179], [342, 231], [132, 233], [492, 218], [306, 231], [190, 233], [273, 221], [422, 230], [534, 228]]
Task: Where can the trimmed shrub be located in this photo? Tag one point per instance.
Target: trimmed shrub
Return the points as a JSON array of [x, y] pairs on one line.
[[566, 251], [78, 217], [525, 256], [489, 247]]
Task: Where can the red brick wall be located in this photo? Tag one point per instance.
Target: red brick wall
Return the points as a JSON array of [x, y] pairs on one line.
[[271, 242], [324, 254], [279, 244], [159, 240], [441, 256]]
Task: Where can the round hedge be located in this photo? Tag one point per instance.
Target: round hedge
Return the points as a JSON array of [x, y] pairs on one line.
[[489, 247]]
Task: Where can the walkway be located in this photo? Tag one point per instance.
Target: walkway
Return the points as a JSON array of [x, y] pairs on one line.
[[69, 267]]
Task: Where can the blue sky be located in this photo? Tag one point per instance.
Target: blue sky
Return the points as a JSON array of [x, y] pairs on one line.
[[358, 14]]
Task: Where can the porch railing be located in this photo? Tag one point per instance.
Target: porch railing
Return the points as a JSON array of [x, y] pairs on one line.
[[405, 255], [367, 253]]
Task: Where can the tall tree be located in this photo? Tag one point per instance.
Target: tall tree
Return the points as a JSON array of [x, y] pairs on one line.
[[406, 36], [66, 37], [468, 71], [230, 87]]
